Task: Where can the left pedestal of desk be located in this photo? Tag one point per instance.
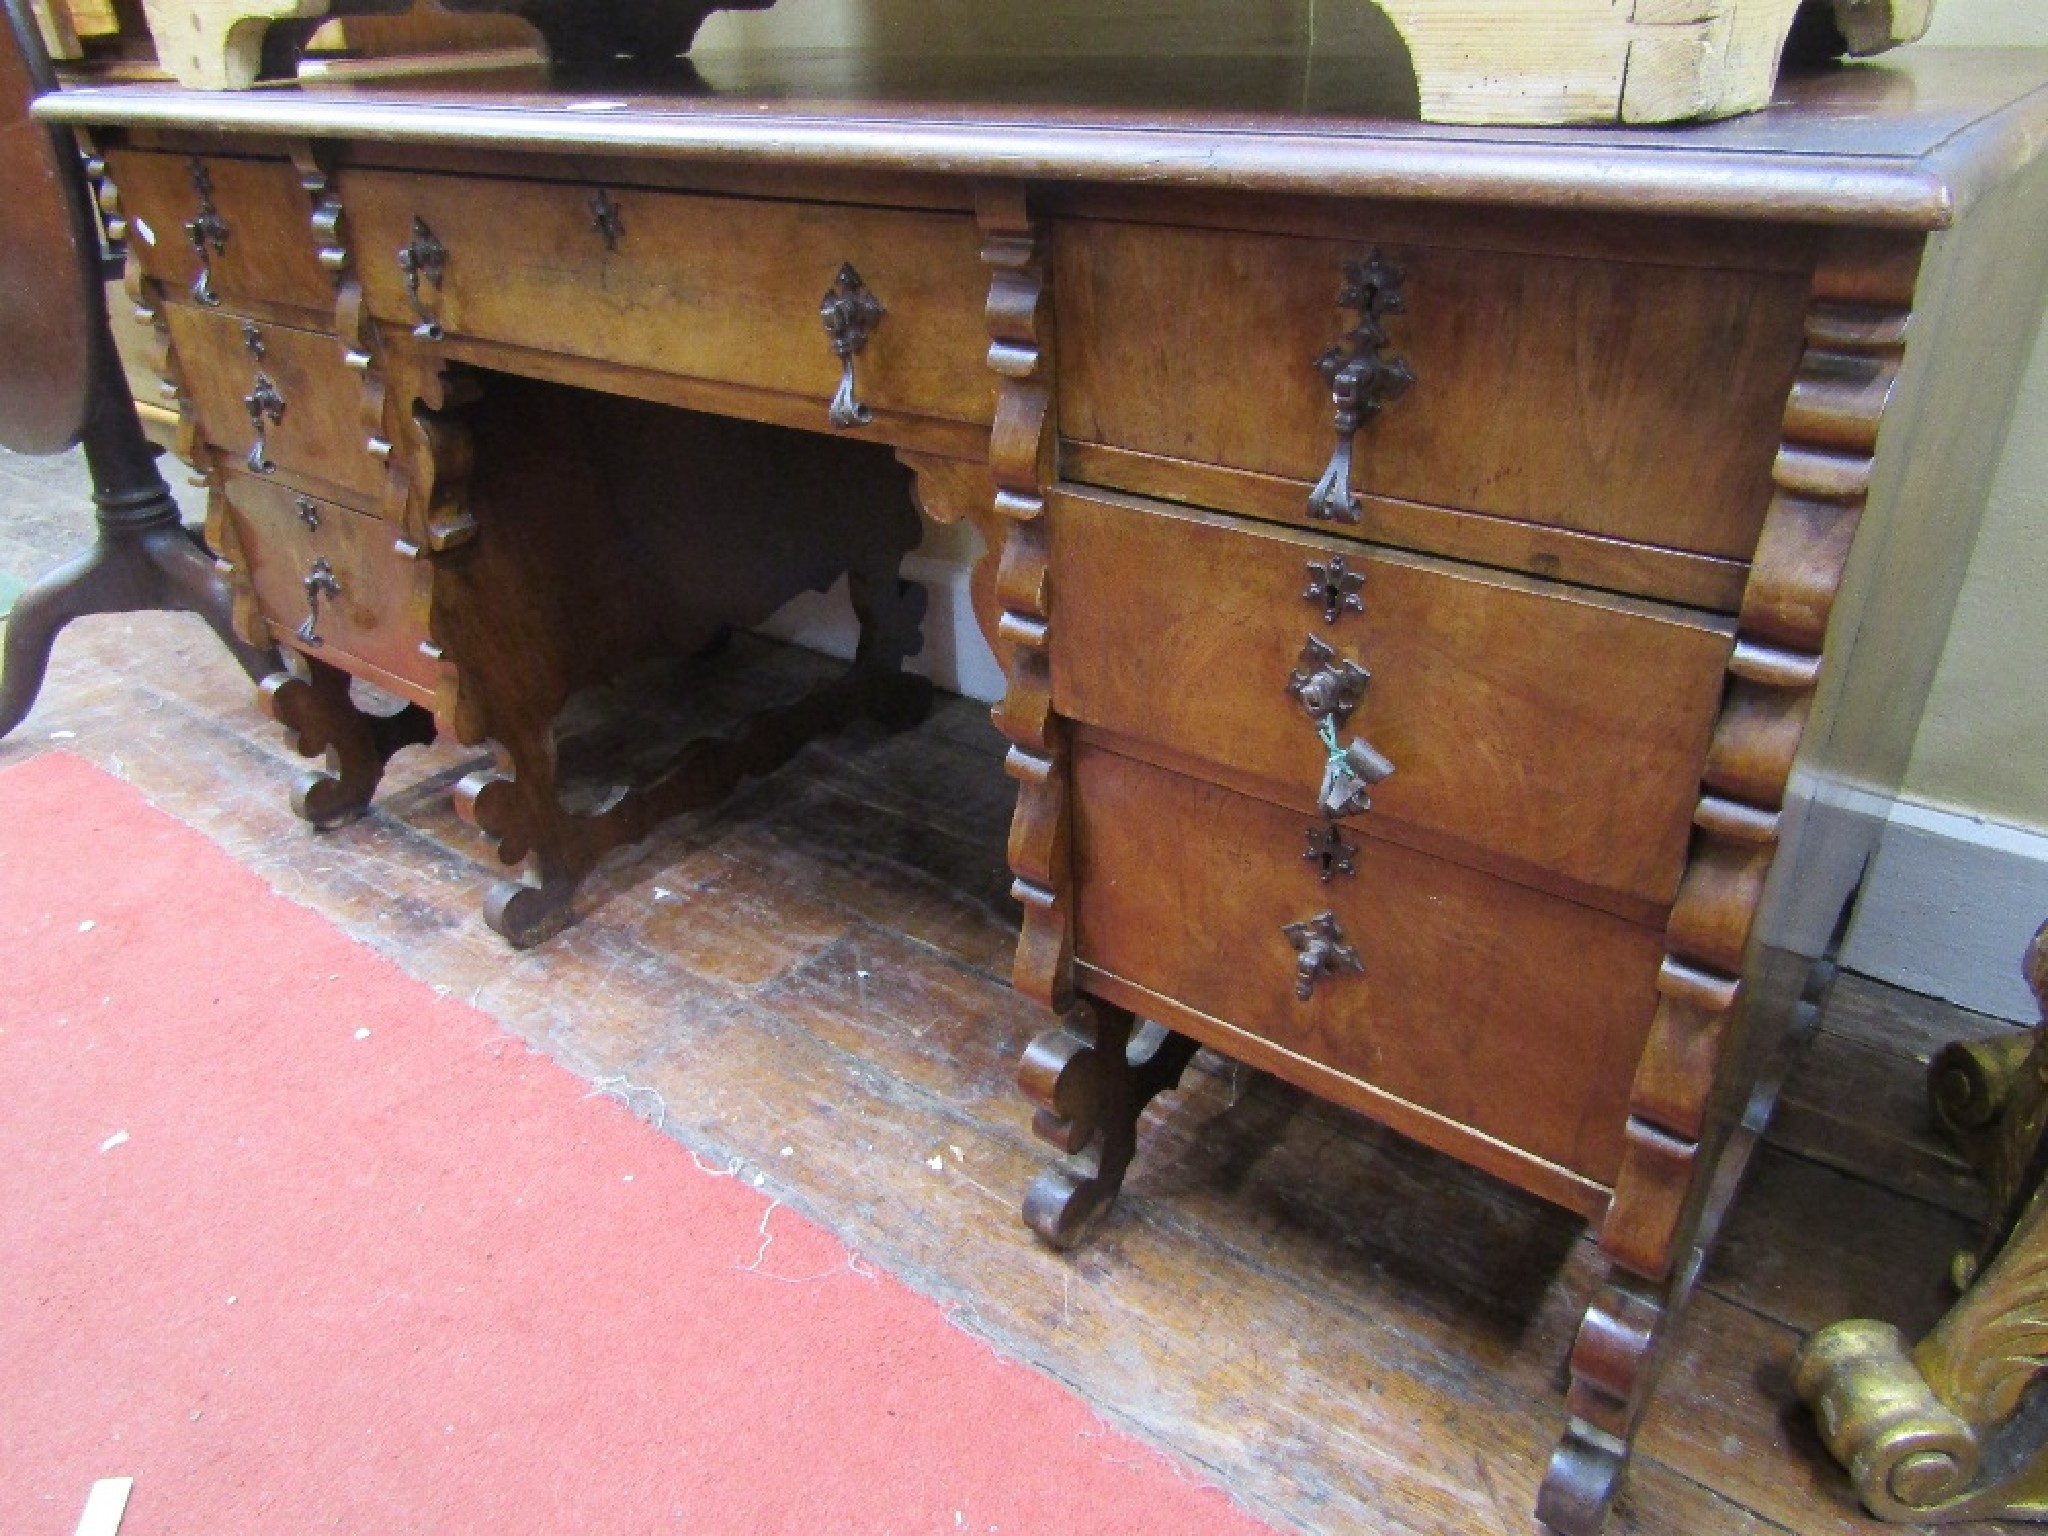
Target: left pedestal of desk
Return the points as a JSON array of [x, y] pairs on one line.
[[485, 547]]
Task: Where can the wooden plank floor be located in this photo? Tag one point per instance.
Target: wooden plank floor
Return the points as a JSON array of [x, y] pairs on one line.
[[805, 988]]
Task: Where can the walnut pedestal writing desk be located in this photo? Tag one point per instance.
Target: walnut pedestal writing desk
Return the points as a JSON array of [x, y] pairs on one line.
[[1466, 594]]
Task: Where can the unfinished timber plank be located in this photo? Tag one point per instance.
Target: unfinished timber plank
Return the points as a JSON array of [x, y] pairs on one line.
[[1589, 61], [216, 45], [1872, 26]]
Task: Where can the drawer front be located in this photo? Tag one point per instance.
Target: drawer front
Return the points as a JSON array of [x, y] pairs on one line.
[[1635, 401], [255, 217], [370, 614], [311, 410], [1516, 1014], [713, 288], [1559, 728]]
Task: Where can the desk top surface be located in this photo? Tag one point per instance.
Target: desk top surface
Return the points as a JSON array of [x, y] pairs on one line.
[[1907, 142]]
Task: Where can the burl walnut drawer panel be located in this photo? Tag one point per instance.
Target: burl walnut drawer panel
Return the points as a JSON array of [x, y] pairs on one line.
[[1561, 728], [1626, 399], [1517, 1014], [295, 382], [332, 582], [252, 216], [714, 288]]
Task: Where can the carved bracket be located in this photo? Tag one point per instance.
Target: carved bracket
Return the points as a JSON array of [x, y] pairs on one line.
[[1362, 378]]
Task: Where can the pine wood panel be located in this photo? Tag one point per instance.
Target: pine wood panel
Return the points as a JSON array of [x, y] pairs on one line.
[[1571, 61], [373, 623], [1184, 889], [317, 443], [1636, 401], [1561, 728], [725, 289], [267, 256]]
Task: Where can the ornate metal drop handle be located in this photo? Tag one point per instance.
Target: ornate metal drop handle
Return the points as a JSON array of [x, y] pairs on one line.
[[1329, 687], [320, 581], [606, 219], [1322, 950], [266, 409], [208, 232], [851, 314], [423, 259], [1362, 379]]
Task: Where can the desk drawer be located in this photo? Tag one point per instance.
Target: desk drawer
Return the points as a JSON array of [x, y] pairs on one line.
[[1623, 399], [1516, 1014], [255, 217], [711, 288], [371, 612], [309, 401], [1560, 728]]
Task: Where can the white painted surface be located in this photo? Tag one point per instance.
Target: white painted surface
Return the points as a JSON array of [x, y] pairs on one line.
[[105, 1506], [954, 656], [1949, 907]]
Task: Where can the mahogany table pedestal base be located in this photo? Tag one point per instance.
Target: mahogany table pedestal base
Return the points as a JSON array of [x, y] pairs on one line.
[[143, 559]]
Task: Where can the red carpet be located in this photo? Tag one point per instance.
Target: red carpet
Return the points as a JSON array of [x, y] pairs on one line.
[[287, 1239]]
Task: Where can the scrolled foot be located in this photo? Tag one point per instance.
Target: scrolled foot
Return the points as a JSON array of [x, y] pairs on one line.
[[324, 803], [1578, 1491], [1066, 1201], [525, 915], [321, 719], [1091, 1079]]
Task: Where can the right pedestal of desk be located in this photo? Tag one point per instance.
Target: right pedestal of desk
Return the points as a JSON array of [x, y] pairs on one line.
[[1459, 661]]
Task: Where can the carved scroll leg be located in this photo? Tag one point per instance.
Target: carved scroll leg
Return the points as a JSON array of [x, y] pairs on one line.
[[321, 718], [1613, 1364], [514, 804], [524, 914], [891, 614], [1091, 1079]]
